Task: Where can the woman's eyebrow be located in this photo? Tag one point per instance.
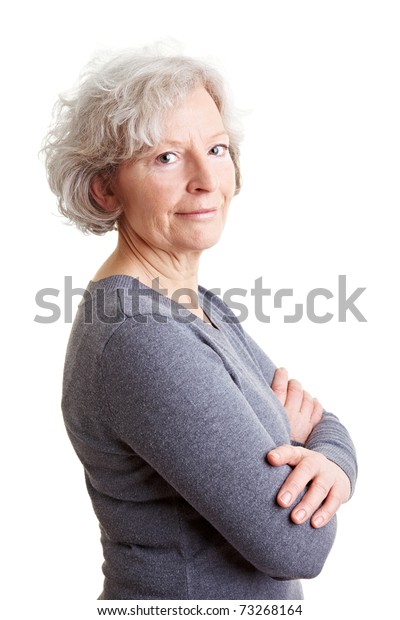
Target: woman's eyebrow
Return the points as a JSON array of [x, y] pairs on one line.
[[174, 142]]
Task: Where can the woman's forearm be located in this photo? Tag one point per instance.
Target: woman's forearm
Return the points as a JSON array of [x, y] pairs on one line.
[[185, 416]]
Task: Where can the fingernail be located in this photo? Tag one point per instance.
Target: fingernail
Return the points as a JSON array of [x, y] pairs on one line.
[[275, 455], [300, 515], [286, 498], [318, 521]]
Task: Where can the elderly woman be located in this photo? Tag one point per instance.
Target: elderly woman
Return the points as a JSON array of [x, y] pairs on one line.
[[212, 475]]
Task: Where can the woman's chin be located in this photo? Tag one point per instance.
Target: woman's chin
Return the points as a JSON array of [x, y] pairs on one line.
[[203, 241]]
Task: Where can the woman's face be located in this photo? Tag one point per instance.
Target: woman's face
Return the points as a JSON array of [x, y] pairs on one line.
[[177, 196]]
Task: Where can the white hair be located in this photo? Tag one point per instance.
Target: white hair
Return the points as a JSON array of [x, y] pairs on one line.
[[114, 115]]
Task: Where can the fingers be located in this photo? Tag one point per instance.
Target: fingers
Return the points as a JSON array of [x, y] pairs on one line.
[[298, 478], [286, 455], [298, 400], [338, 495], [316, 413], [305, 471], [312, 500], [329, 488], [279, 384], [294, 398], [307, 405], [324, 515], [303, 411]]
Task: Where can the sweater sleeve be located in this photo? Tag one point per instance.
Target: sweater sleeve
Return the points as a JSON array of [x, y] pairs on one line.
[[329, 436], [180, 410]]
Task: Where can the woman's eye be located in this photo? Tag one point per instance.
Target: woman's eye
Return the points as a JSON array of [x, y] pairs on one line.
[[218, 149], [166, 158]]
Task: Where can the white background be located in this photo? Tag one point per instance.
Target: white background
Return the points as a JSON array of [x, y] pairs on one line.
[[319, 82]]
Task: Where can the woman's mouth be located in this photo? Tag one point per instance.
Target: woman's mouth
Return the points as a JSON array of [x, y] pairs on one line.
[[198, 214]]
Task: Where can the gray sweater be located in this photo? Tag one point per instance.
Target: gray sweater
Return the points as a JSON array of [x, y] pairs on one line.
[[172, 419]]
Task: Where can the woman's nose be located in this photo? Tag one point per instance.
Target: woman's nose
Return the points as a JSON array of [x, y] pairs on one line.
[[202, 176]]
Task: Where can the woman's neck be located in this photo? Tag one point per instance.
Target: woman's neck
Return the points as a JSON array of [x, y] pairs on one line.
[[173, 275]]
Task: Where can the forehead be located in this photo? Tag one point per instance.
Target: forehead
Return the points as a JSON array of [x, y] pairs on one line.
[[197, 112]]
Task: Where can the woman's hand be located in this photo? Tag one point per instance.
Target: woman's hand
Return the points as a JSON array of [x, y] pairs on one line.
[[329, 486], [303, 411]]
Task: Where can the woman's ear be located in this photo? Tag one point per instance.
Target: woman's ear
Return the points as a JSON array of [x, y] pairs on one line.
[[102, 193]]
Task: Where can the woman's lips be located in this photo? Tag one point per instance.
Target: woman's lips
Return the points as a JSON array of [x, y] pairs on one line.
[[199, 214]]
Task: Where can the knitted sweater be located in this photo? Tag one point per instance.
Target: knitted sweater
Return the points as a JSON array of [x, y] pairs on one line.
[[172, 419]]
